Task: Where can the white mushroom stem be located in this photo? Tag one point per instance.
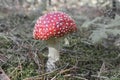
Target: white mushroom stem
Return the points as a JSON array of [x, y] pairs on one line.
[[53, 53], [53, 56]]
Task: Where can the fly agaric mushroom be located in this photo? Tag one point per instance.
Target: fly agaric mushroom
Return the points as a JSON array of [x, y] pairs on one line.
[[51, 27]]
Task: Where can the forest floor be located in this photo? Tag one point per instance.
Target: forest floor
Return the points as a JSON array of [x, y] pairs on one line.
[[22, 57]]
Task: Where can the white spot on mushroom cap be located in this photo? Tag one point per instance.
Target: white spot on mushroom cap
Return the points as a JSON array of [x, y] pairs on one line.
[[52, 20], [46, 25], [41, 33], [45, 36], [61, 24], [48, 21], [44, 22], [50, 32], [71, 23], [46, 29], [67, 23], [60, 29], [57, 26], [58, 32], [47, 18]]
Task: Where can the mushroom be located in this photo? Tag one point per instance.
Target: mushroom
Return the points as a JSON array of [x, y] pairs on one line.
[[51, 27]]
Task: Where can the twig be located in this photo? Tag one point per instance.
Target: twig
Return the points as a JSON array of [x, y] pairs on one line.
[[102, 69], [94, 76], [62, 71], [81, 78], [100, 77]]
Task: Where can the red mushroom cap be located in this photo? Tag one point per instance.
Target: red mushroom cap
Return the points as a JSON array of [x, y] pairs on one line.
[[53, 24]]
